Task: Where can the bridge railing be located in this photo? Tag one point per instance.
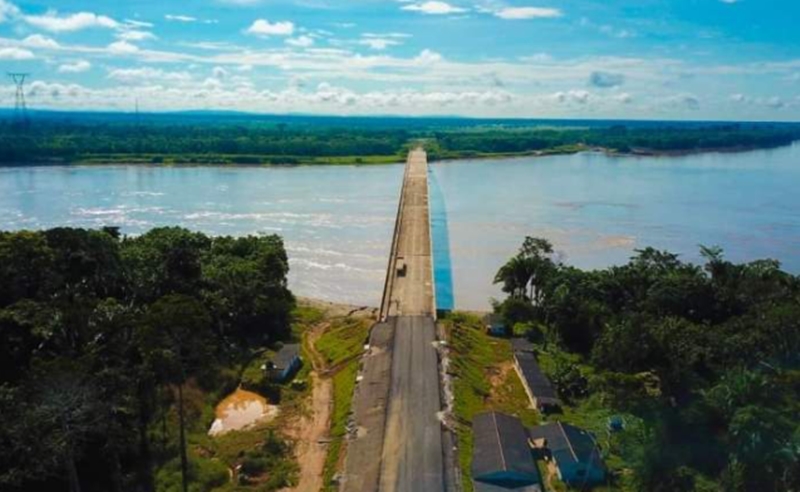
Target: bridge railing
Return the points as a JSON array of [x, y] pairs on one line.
[[390, 273]]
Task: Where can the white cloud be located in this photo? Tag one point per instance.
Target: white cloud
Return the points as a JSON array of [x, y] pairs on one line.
[[219, 73], [515, 13], [739, 98], [616, 33], [76, 67], [51, 21], [573, 96], [300, 41], [122, 48], [39, 41], [684, 101], [382, 41], [263, 27], [135, 35], [7, 11], [427, 57], [16, 54], [775, 102], [147, 74], [378, 43], [138, 23], [180, 18], [605, 80], [434, 8], [624, 98]]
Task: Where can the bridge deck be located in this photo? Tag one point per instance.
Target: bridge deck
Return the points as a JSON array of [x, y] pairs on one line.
[[398, 400], [411, 293]]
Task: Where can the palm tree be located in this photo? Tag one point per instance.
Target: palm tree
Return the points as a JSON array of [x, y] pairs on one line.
[[525, 275], [515, 276]]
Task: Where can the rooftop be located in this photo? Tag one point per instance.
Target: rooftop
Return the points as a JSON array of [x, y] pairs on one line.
[[286, 355], [521, 345], [501, 445], [568, 443], [538, 383]]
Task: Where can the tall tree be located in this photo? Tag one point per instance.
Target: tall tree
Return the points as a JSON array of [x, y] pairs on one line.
[[176, 338]]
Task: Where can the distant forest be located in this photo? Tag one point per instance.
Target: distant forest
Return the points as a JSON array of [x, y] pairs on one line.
[[203, 139]]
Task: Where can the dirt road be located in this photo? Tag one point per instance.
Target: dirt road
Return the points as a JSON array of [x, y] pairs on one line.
[[310, 431]]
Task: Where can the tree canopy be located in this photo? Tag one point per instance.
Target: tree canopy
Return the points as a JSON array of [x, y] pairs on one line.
[[707, 355], [97, 328]]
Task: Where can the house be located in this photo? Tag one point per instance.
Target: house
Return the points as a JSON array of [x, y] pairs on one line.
[[572, 451], [540, 391], [521, 345], [495, 325], [501, 456], [285, 363]]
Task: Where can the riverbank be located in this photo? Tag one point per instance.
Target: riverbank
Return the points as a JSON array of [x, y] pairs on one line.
[[378, 160]]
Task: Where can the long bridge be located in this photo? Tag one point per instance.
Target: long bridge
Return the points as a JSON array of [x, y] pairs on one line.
[[399, 443]]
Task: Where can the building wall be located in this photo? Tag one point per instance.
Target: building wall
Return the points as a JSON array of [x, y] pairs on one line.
[[570, 474], [528, 391]]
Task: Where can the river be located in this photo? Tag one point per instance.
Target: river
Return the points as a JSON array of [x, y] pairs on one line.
[[337, 220]]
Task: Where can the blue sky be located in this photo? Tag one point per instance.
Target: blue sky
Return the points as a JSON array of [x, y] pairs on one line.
[[654, 59]]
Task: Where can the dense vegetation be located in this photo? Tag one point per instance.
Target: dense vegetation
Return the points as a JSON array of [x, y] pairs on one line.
[[88, 140], [615, 138], [705, 355], [107, 342]]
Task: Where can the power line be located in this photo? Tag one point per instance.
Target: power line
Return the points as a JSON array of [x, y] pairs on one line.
[[20, 106]]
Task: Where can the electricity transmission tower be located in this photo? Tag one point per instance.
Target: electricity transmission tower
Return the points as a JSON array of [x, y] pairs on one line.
[[20, 106]]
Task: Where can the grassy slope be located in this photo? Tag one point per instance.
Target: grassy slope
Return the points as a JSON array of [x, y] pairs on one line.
[[475, 359], [340, 345]]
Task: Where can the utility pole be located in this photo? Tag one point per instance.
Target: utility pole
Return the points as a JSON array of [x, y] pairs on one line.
[[20, 106]]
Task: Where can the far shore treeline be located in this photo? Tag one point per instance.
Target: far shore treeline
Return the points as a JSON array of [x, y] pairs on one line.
[[706, 356], [108, 340], [254, 140]]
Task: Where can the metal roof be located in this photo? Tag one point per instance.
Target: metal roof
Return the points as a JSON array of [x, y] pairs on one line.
[[286, 355], [521, 345], [501, 445], [568, 443], [538, 383]]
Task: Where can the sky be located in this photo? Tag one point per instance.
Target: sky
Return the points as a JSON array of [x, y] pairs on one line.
[[638, 59]]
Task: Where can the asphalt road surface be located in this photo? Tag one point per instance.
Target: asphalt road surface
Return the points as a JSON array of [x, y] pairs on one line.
[[398, 439], [412, 447]]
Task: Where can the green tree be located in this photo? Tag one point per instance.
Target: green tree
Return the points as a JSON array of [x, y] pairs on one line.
[[176, 338]]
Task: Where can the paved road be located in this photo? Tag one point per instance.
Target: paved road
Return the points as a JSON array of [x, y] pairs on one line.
[[412, 448], [411, 294], [398, 440]]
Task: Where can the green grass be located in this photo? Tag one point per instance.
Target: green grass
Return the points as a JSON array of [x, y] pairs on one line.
[[340, 346], [475, 358], [344, 383], [343, 340]]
